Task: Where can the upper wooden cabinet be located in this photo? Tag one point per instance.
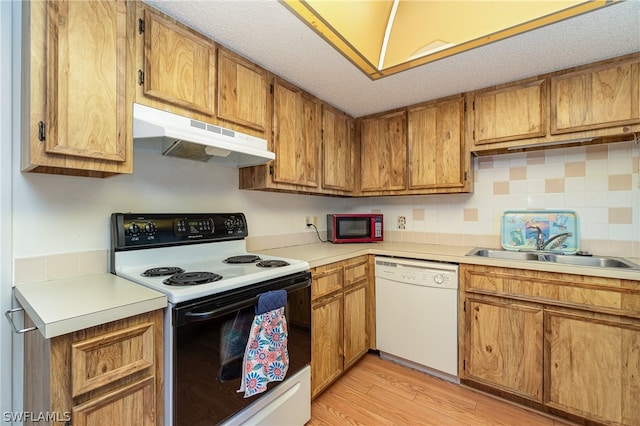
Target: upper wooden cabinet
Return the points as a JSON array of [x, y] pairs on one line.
[[598, 97], [296, 136], [437, 153], [510, 113], [176, 66], [595, 103], [338, 150], [75, 88], [296, 142], [418, 150], [243, 92], [383, 158]]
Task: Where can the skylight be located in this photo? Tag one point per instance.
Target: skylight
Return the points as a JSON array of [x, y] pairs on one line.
[[384, 37]]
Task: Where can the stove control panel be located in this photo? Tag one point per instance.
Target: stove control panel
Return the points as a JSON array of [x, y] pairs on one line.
[[130, 230]]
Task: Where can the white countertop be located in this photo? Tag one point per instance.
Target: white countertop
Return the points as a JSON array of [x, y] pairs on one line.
[[66, 305], [318, 254]]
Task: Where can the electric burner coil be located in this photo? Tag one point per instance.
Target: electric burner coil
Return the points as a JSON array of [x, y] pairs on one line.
[[162, 271], [245, 258], [192, 278], [275, 263]]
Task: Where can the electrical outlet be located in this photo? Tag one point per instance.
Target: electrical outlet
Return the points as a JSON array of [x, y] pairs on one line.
[[311, 220], [402, 222]]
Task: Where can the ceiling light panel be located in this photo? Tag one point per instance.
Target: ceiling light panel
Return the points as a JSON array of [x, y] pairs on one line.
[[425, 30]]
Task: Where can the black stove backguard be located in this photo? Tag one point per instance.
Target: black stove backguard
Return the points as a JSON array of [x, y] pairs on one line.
[[136, 231]]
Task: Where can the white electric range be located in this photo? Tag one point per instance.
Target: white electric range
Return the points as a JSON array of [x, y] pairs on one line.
[[200, 261]]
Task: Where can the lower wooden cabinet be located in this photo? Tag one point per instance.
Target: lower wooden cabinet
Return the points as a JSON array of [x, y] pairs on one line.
[[593, 367], [505, 347], [104, 375], [564, 344], [339, 319]]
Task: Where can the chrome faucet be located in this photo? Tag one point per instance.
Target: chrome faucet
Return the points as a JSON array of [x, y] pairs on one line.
[[541, 244]]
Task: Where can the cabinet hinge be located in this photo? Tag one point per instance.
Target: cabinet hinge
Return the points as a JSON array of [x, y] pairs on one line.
[[271, 89], [465, 107], [473, 105], [141, 26], [465, 176], [271, 169], [464, 365], [474, 135], [464, 304], [42, 131], [140, 77]]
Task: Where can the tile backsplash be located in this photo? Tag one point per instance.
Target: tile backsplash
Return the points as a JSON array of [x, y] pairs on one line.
[[56, 266], [599, 182]]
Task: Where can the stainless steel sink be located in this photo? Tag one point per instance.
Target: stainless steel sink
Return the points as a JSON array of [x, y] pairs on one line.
[[591, 261], [503, 254]]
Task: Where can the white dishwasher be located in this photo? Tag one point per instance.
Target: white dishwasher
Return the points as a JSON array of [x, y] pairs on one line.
[[417, 314]]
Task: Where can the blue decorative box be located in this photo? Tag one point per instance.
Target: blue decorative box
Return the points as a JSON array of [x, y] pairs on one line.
[[559, 227]]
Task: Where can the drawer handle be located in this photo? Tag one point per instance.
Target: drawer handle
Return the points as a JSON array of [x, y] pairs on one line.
[[9, 315]]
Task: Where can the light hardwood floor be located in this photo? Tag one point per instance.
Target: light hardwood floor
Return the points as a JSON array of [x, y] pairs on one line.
[[380, 392]]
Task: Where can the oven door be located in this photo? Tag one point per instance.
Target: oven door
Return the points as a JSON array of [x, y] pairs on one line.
[[209, 340]]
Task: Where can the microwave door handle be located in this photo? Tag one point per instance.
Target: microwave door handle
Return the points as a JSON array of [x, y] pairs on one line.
[[192, 317]]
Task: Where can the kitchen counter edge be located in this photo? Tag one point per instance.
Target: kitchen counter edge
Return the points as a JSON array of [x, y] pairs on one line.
[[62, 306], [318, 254]]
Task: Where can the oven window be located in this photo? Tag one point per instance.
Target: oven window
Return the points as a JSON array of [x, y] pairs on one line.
[[353, 227], [209, 360]]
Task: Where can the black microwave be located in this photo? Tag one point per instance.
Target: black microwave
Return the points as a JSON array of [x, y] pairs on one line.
[[354, 228]]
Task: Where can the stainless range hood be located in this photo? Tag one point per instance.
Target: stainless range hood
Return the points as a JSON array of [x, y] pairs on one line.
[[183, 137]]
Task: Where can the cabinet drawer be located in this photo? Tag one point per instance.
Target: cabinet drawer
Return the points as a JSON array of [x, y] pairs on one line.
[[355, 272], [326, 282], [608, 295], [108, 358]]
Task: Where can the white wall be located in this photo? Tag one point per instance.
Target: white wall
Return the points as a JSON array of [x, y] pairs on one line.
[[5, 206]]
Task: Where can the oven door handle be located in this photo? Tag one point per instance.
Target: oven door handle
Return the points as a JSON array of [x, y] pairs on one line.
[[207, 315], [195, 316]]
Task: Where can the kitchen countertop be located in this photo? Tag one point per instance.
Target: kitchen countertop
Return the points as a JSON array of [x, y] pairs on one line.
[[318, 254], [66, 305]]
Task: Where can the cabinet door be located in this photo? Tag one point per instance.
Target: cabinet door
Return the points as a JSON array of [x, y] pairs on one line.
[[436, 145], [85, 89], [243, 89], [326, 342], [356, 342], [511, 113], [606, 96], [179, 64], [296, 136], [593, 368], [504, 347], [337, 150], [384, 152], [129, 405]]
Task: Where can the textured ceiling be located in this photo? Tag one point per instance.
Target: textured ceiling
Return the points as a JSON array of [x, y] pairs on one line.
[[265, 32]]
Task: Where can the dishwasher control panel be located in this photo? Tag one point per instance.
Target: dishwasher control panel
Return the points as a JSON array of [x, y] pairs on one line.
[[418, 272]]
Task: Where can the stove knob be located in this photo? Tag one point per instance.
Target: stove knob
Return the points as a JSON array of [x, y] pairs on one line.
[[134, 228], [150, 228]]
